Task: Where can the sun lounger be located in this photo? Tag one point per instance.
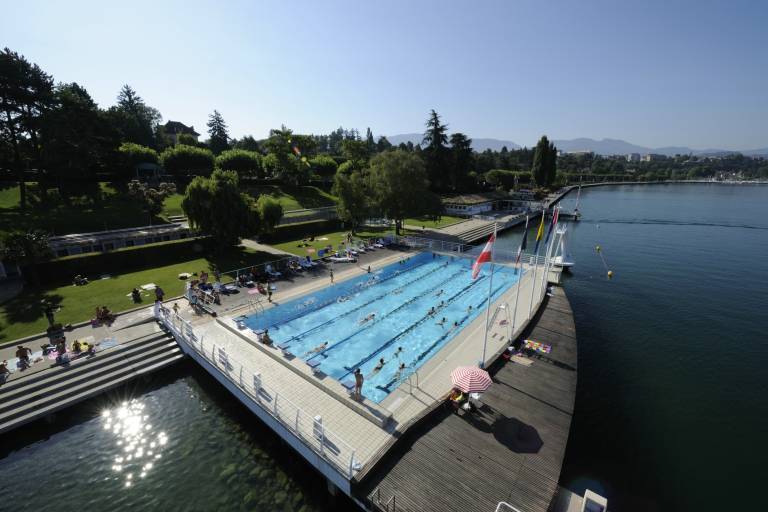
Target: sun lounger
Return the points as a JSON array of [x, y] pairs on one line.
[[342, 259], [272, 273]]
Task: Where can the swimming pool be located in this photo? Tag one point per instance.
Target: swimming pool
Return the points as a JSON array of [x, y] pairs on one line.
[[402, 329]]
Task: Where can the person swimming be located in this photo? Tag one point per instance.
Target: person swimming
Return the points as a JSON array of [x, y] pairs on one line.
[[455, 326], [377, 368], [431, 311], [439, 293], [368, 318], [317, 349], [469, 309], [398, 351], [399, 371], [442, 322]]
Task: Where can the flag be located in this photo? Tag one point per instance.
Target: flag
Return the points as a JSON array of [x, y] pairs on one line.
[[540, 232], [552, 226], [523, 243], [485, 256]]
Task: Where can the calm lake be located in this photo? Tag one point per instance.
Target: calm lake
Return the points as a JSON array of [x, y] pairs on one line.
[[671, 409], [672, 401]]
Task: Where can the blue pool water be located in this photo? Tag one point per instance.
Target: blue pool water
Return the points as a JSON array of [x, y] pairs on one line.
[[402, 331]]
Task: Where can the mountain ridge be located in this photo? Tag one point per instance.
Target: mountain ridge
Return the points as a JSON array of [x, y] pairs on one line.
[[604, 146]]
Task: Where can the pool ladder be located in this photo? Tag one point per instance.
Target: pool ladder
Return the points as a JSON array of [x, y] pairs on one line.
[[255, 305]]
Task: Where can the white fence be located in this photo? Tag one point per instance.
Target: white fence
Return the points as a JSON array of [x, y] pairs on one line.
[[306, 427]]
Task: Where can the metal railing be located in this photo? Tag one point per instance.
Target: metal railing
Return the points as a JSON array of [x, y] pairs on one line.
[[308, 214], [416, 242], [306, 427], [391, 502], [503, 506]]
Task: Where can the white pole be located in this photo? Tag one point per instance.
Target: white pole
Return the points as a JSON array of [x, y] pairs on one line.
[[519, 281], [535, 267], [547, 262], [490, 291]]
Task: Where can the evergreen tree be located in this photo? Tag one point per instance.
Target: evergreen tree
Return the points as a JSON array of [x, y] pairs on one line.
[[217, 133], [135, 120], [435, 151], [544, 169], [461, 160], [369, 142], [383, 144]]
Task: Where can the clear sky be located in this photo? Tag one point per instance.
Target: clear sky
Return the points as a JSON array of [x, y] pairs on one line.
[[654, 73]]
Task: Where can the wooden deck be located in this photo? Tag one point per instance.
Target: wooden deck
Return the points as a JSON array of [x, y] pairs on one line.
[[510, 450]]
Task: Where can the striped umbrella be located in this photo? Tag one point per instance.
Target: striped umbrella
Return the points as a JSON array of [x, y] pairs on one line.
[[470, 379]]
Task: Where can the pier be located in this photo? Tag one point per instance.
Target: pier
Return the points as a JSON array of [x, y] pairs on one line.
[[510, 451]]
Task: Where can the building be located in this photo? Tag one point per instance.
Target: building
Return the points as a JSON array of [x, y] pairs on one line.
[[633, 157], [102, 241], [469, 204], [652, 157], [174, 128]]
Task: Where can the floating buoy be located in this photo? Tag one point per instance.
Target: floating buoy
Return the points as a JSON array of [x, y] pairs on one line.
[[610, 274], [597, 248]]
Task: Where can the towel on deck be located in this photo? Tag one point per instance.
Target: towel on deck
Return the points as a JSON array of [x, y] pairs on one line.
[[537, 346]]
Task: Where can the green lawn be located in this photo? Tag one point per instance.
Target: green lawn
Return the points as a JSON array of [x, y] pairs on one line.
[[445, 220], [172, 205], [22, 316], [334, 238], [296, 198]]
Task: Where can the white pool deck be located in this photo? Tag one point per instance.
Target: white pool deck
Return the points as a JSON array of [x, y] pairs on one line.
[[367, 427]]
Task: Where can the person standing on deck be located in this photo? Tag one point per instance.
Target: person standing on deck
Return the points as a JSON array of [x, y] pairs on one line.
[[331, 274], [359, 379]]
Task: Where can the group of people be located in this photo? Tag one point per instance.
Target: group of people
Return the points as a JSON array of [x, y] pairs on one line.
[[103, 316]]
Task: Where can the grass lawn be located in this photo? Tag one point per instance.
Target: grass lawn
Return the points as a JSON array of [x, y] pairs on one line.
[[334, 238], [22, 316], [172, 205], [445, 220], [296, 198]]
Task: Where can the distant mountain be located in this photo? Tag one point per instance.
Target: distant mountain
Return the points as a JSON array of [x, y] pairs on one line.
[[478, 145], [601, 147]]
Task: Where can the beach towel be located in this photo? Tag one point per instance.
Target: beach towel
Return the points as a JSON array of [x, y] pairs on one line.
[[537, 346]]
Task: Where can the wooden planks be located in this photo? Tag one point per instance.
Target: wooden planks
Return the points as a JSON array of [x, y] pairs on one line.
[[510, 450]]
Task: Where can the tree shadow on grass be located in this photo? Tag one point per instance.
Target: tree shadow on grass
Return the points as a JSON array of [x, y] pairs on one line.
[[28, 307]]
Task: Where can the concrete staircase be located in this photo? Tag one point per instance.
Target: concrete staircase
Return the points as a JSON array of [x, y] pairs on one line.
[[39, 394]]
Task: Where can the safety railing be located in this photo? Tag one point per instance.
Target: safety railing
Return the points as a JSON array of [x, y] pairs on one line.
[[306, 427], [416, 242], [503, 506]]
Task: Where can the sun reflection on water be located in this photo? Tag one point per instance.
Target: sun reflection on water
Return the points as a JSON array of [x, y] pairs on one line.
[[138, 446]]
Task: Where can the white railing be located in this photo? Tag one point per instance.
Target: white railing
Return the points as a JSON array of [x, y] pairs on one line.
[[428, 243], [503, 506], [306, 427]]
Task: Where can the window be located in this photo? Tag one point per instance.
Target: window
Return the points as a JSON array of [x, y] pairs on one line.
[[129, 243]]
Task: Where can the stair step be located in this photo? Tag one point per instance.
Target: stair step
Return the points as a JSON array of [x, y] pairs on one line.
[[57, 405], [65, 396]]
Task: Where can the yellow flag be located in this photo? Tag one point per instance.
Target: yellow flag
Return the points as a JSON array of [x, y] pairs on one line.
[[540, 232]]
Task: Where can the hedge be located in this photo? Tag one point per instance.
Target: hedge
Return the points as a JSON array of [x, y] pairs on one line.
[[120, 261], [297, 231]]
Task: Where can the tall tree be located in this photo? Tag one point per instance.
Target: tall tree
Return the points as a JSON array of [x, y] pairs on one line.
[[399, 186], [216, 207], [369, 142], [383, 144], [247, 143], [544, 167], [151, 199], [284, 160], [217, 132], [270, 212], [136, 121], [25, 95], [461, 160], [27, 249], [354, 203], [434, 150], [183, 160], [244, 163]]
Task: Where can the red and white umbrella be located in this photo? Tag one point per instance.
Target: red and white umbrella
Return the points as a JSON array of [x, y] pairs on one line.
[[471, 379]]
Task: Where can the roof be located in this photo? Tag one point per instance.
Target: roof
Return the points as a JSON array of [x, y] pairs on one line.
[[177, 127], [474, 198]]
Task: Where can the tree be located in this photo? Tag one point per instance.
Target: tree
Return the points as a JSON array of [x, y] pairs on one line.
[[182, 160], [324, 166], [217, 132], [461, 160], [352, 191], [216, 206], [369, 142], [355, 151], [26, 249], [544, 169], [383, 144], [76, 142], [25, 94], [247, 143], [285, 159], [132, 155], [399, 186], [151, 199], [434, 150], [244, 163], [135, 120], [188, 139], [270, 212]]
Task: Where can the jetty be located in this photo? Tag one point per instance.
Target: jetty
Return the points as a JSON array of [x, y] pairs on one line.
[[510, 451]]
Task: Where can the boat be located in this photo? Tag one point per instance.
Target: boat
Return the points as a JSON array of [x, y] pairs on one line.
[[563, 258]]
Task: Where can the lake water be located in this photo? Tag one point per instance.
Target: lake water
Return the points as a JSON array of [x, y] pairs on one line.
[[672, 403], [671, 408]]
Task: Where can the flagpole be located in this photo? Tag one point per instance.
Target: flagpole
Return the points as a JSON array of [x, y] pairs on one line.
[[535, 267], [488, 309], [519, 281], [547, 259]]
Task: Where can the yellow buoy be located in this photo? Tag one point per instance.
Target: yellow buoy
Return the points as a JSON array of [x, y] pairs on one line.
[[597, 248], [610, 274]]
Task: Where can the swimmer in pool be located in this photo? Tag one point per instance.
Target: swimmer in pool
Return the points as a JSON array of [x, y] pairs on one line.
[[368, 318], [431, 311], [469, 309], [455, 326], [441, 322], [377, 368], [439, 293], [317, 349], [399, 371], [398, 352]]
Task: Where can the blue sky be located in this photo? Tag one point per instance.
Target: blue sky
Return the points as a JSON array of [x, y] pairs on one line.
[[653, 73]]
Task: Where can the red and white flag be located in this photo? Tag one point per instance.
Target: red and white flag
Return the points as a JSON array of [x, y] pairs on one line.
[[484, 256]]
